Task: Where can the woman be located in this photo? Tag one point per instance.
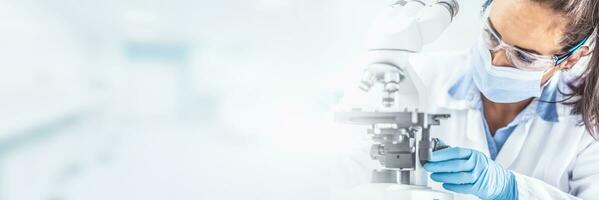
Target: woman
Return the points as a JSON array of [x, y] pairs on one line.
[[524, 104]]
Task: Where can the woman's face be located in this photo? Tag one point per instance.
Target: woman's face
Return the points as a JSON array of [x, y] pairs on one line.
[[533, 27]]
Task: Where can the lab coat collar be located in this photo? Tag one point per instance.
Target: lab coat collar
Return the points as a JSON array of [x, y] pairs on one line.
[[513, 145]]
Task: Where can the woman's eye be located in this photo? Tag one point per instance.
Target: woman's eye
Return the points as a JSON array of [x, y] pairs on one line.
[[524, 57]]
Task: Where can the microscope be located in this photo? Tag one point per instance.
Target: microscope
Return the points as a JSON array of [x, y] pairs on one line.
[[400, 126]]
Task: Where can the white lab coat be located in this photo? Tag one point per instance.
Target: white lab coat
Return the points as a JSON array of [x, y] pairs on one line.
[[551, 160]]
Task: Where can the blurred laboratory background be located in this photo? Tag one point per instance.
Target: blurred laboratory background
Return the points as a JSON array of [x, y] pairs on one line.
[[179, 99]]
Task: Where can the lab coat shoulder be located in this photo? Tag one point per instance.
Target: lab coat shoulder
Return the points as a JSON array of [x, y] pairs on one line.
[[585, 171], [557, 160], [439, 68], [582, 176]]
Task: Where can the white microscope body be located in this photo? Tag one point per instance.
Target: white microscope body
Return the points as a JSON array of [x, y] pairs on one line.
[[403, 29], [400, 126]]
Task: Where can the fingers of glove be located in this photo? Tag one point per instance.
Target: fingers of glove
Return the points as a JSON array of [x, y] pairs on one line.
[[459, 165], [460, 188], [450, 154], [454, 178]]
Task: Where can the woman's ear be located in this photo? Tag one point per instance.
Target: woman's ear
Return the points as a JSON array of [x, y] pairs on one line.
[[574, 58]]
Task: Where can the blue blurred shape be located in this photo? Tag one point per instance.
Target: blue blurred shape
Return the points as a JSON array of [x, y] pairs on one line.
[[157, 51]]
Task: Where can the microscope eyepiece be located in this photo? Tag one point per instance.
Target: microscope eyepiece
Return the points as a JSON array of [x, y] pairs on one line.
[[452, 6]]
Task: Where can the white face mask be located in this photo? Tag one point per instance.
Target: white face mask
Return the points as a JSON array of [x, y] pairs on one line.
[[502, 84]]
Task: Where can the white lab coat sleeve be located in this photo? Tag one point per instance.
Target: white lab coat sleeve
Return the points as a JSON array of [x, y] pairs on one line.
[[583, 180], [532, 188]]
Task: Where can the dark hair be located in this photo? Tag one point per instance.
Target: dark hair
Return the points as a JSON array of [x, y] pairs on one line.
[[583, 16]]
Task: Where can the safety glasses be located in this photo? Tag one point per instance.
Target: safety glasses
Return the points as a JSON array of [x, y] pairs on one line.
[[521, 58]]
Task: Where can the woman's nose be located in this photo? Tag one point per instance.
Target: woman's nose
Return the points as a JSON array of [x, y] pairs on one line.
[[499, 58]]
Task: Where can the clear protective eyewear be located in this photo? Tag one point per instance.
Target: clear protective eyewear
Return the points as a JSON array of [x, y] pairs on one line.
[[521, 58]]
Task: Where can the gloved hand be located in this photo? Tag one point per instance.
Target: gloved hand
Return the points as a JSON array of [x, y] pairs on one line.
[[470, 172]]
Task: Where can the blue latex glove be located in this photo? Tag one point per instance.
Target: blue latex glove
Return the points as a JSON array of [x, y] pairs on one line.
[[470, 172]]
